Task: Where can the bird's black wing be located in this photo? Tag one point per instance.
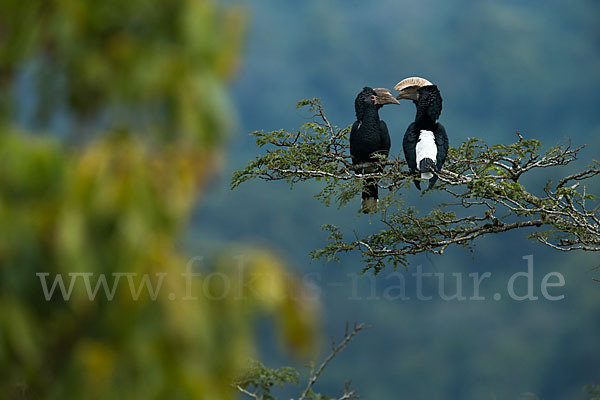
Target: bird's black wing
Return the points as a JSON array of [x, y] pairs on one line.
[[353, 144], [410, 145], [441, 141], [384, 135]]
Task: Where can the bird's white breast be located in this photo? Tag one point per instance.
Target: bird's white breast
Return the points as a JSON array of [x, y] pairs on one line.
[[426, 147]]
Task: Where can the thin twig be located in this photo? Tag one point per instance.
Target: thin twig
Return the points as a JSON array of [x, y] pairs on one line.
[[348, 336], [247, 393]]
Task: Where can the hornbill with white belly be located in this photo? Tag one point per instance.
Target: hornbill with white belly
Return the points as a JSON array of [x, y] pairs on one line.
[[369, 137], [425, 141]]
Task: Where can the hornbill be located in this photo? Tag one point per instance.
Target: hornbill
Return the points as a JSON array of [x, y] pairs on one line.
[[369, 137], [425, 141]]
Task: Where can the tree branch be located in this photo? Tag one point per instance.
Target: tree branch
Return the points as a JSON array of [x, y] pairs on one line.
[[335, 350], [261, 379], [482, 180]]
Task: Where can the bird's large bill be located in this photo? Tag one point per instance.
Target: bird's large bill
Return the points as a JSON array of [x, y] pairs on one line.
[[384, 96]]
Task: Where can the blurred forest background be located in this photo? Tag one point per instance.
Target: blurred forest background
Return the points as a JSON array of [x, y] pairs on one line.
[[120, 126]]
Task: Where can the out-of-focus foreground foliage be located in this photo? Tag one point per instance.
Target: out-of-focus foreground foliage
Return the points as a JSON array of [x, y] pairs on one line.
[[133, 94]]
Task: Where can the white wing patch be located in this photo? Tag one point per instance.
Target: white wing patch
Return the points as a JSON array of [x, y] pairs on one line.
[[426, 148]]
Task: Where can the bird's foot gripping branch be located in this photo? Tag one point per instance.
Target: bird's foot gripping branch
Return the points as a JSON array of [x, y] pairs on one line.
[[480, 191]]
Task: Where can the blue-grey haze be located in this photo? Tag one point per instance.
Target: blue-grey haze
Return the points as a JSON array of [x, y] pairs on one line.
[[501, 66]]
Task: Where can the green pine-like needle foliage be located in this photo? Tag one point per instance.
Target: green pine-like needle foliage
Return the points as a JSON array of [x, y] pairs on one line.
[[481, 188]]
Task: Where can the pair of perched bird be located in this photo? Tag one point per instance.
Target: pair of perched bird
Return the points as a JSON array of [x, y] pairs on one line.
[[425, 141]]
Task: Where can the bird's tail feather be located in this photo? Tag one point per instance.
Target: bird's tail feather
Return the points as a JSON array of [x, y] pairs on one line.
[[432, 182], [426, 166], [370, 197], [369, 205]]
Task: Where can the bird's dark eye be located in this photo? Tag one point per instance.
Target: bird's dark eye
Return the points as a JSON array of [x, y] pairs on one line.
[[373, 97]]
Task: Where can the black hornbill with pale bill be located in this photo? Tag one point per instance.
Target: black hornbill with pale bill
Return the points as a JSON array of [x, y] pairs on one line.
[[425, 141], [369, 137]]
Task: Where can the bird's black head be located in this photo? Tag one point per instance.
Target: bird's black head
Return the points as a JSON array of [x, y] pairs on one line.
[[364, 100], [429, 102], [424, 94], [372, 99]]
